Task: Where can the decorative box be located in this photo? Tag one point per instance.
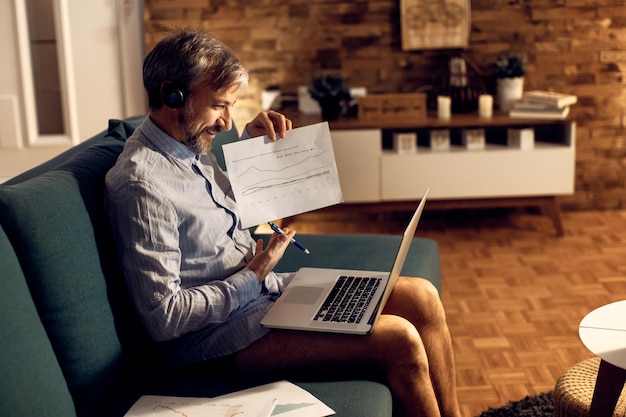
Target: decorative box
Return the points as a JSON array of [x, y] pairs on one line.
[[521, 138], [405, 142], [392, 107], [440, 139], [473, 138]]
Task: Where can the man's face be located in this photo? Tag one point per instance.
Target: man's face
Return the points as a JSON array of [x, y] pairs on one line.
[[206, 114]]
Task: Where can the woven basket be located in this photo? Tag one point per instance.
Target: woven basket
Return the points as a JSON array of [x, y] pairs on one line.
[[574, 390]]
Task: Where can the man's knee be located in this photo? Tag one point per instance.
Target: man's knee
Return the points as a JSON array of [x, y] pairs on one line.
[[422, 297], [400, 337], [426, 288], [432, 297]]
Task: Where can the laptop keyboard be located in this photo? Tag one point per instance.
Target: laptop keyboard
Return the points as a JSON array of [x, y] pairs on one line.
[[348, 299]]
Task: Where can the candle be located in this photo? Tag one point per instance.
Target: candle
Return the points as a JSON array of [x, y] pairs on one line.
[[485, 105], [443, 107]]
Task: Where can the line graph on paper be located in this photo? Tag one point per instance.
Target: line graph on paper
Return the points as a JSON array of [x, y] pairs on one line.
[[273, 180], [257, 179]]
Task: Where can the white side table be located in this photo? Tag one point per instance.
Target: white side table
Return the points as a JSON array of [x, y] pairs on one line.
[[603, 331]]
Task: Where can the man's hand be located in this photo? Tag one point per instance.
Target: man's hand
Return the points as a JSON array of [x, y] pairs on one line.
[[271, 123], [264, 261]]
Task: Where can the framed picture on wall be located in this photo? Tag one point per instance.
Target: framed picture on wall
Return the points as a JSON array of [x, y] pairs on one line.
[[434, 24]]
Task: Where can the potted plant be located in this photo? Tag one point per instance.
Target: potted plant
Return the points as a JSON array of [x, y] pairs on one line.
[[509, 71], [332, 92]]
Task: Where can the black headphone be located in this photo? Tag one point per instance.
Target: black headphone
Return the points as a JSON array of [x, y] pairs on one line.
[[172, 96]]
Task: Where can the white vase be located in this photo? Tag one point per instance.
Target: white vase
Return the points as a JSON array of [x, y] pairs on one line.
[[509, 91]]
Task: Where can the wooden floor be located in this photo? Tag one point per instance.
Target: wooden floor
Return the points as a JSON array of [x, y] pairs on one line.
[[514, 293]]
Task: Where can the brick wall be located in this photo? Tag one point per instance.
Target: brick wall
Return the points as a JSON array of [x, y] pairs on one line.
[[573, 46]]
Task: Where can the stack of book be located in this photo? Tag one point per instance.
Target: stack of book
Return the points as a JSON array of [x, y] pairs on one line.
[[540, 104]]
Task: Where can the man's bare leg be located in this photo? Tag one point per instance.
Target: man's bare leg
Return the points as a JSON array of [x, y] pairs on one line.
[[395, 348], [418, 301]]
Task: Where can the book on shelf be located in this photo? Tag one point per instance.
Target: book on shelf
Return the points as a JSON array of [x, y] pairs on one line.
[[539, 104], [549, 98], [554, 113], [529, 105]]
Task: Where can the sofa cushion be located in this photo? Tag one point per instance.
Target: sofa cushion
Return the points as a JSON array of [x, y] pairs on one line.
[[355, 251], [353, 398], [123, 129], [32, 383], [57, 225]]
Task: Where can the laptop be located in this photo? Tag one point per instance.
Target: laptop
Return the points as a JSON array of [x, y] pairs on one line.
[[310, 300]]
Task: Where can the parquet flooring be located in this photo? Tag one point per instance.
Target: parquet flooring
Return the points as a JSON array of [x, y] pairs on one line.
[[514, 293]]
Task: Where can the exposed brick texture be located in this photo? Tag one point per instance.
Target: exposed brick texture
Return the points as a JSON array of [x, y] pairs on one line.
[[573, 46]]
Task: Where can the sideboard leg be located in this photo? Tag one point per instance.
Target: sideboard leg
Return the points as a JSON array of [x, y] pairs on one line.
[[552, 209]]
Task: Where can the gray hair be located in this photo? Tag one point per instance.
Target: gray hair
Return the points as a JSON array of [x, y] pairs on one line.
[[190, 58]]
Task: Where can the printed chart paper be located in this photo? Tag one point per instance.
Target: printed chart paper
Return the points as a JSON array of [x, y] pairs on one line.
[[281, 398], [161, 406], [274, 180], [291, 400]]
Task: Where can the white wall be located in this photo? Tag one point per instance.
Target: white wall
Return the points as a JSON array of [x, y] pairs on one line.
[[104, 41], [11, 121], [97, 64]]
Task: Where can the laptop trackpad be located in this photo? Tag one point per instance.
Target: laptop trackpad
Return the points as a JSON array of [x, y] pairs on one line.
[[303, 295]]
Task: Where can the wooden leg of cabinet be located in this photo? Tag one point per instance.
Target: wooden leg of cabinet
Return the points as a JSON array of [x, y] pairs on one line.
[[552, 209]]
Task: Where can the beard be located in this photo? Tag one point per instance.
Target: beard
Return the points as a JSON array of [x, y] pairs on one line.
[[193, 137]]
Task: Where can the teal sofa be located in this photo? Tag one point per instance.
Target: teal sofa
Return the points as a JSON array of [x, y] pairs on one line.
[[71, 343]]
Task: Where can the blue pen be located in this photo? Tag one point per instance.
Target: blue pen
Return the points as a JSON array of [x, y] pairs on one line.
[[294, 241]]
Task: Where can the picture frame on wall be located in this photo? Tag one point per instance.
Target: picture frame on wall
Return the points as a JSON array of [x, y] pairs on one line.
[[434, 24]]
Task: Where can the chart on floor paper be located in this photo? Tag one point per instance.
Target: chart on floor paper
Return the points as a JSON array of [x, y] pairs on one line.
[[274, 180]]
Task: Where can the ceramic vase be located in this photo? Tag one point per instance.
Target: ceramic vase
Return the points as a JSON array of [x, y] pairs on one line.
[[509, 91]]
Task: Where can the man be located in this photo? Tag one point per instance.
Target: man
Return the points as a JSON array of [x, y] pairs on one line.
[[199, 282]]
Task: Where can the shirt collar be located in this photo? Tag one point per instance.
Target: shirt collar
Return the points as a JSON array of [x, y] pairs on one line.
[[167, 144]]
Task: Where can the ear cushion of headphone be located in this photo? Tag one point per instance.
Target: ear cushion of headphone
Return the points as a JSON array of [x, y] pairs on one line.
[[172, 97]]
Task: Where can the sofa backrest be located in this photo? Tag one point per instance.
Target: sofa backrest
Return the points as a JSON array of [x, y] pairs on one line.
[[32, 383], [57, 226], [55, 221]]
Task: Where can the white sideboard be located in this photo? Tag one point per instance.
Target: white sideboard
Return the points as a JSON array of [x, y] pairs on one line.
[[371, 171]]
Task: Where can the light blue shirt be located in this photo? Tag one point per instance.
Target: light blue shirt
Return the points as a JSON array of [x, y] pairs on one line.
[[182, 250]]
